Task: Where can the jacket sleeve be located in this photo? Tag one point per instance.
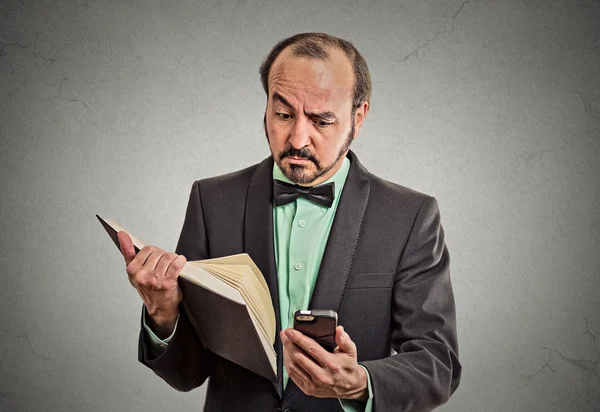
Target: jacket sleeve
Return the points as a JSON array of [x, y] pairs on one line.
[[425, 371], [185, 363]]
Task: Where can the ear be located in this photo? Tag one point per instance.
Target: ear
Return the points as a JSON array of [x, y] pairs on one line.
[[359, 117]]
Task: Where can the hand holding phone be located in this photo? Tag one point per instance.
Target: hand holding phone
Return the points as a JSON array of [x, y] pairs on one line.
[[319, 325]]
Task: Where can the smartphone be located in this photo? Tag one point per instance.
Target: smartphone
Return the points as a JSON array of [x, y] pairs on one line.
[[319, 325]]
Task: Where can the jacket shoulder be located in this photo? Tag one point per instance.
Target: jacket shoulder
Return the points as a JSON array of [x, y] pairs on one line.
[[396, 194], [388, 195], [230, 183]]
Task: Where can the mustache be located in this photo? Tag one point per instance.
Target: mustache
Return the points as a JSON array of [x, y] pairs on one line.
[[302, 153]]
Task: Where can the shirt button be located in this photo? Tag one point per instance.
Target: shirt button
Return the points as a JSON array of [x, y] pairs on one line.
[[297, 266], [302, 223]]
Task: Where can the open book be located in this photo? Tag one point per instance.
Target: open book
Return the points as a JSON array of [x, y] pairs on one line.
[[228, 302]]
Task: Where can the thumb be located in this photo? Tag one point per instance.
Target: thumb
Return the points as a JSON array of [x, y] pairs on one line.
[[345, 344], [126, 246]]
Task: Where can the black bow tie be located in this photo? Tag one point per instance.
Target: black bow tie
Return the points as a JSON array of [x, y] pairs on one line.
[[284, 193]]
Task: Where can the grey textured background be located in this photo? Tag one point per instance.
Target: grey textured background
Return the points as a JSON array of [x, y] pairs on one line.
[[116, 107]]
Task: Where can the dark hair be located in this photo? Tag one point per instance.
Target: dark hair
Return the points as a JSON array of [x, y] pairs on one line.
[[314, 46]]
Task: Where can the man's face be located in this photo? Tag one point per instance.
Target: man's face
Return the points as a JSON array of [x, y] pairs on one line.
[[308, 119]]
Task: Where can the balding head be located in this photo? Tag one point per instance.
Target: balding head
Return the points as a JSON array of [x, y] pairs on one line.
[[319, 46]]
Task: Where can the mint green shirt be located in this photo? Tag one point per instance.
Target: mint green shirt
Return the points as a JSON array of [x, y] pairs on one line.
[[300, 230]]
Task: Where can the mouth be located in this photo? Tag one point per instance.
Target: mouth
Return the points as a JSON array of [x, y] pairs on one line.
[[298, 159]]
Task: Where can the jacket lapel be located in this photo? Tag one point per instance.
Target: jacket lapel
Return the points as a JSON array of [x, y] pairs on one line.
[[343, 239], [342, 242], [258, 243]]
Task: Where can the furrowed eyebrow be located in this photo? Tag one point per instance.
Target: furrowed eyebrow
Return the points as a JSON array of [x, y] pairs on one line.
[[279, 98], [323, 116]]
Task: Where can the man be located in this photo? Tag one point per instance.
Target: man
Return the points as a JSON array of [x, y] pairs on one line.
[[369, 249]]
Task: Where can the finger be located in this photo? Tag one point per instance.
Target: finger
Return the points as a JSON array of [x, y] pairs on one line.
[[300, 377], [296, 373], [163, 264], [306, 363], [308, 345], [295, 354], [345, 344], [175, 267], [126, 246], [152, 261], [143, 270], [139, 260]]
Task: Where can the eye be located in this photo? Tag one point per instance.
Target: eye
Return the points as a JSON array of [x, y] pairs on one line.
[[283, 116], [323, 123]]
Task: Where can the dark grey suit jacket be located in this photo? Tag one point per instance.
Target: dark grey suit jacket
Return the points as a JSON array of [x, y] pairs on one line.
[[385, 271]]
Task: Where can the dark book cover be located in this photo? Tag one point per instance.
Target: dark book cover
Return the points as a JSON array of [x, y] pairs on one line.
[[225, 327]]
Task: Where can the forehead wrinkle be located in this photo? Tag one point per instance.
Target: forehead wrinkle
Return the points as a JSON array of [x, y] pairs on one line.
[[298, 86], [327, 114]]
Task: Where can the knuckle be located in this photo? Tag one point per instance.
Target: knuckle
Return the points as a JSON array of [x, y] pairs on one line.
[[334, 367], [143, 282], [322, 379], [298, 357], [131, 270], [177, 264], [312, 350], [142, 274], [156, 284], [147, 282], [157, 253], [167, 284]]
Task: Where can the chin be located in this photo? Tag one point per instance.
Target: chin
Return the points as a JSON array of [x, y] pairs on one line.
[[299, 174]]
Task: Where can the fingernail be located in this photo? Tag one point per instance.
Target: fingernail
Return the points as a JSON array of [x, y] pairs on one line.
[[289, 333]]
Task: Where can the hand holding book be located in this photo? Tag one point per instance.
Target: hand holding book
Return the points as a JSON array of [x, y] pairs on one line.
[[153, 273], [226, 299]]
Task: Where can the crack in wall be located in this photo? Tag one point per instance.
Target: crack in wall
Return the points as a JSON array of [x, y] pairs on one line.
[[25, 337], [457, 127], [436, 35], [587, 365], [27, 49], [527, 155], [69, 99], [587, 104], [529, 377], [21, 75]]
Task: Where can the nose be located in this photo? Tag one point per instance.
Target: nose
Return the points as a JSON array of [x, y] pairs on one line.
[[300, 133]]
